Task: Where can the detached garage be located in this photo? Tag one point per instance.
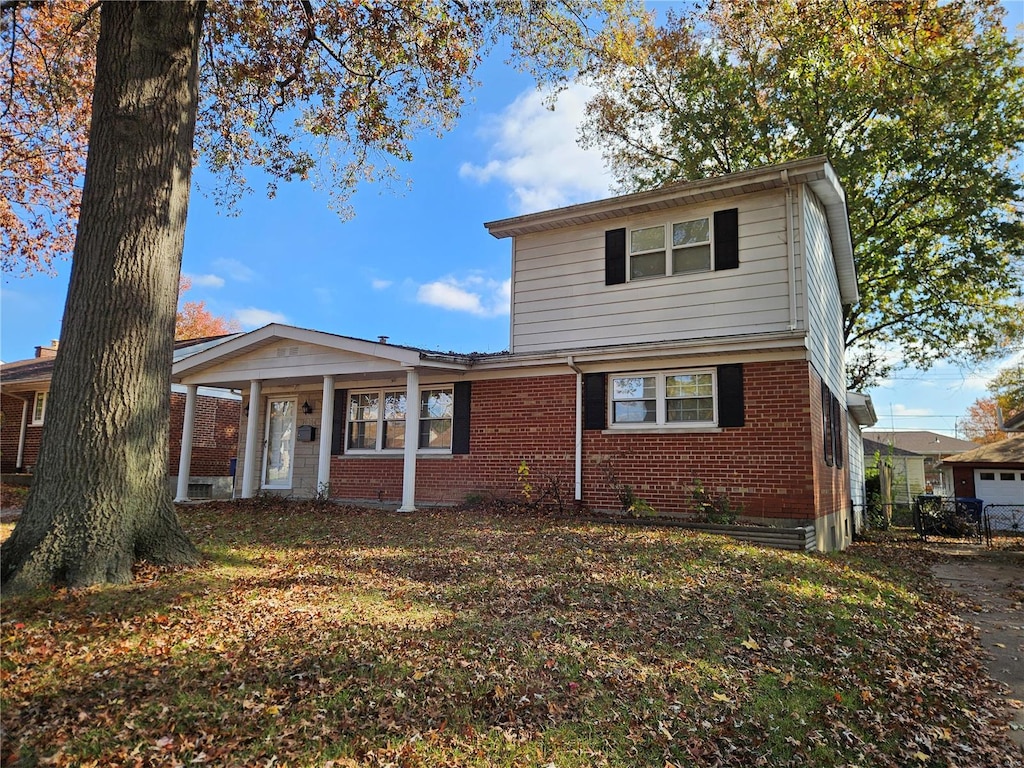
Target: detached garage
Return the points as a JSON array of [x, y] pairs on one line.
[[995, 474]]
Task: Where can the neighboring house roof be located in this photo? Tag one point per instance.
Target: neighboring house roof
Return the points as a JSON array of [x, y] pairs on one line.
[[921, 441], [1014, 423], [816, 172], [38, 370], [871, 448], [1009, 451]]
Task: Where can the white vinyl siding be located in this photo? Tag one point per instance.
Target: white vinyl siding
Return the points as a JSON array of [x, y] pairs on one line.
[[560, 300], [825, 312], [855, 461]]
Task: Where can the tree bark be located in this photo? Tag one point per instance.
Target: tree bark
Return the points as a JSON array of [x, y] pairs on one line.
[[100, 498]]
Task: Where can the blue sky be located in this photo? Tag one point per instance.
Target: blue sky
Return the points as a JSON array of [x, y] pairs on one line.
[[415, 263]]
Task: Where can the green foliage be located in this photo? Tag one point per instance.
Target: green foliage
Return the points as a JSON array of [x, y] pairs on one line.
[[920, 108], [1007, 387], [714, 508]]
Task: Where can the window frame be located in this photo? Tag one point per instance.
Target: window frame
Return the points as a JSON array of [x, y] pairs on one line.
[[381, 421], [661, 399], [38, 397], [668, 248]]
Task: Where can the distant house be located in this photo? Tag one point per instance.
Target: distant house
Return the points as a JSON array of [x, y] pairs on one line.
[[690, 333], [25, 390], [908, 469], [993, 473], [931, 446]]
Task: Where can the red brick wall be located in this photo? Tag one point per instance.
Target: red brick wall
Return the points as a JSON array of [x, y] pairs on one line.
[[10, 430], [773, 465], [214, 442], [511, 420], [214, 436], [831, 483]]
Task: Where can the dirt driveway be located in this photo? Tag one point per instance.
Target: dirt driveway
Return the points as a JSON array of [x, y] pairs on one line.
[[992, 585]]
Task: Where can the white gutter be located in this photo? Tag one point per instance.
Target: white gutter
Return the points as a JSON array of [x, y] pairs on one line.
[[578, 480]]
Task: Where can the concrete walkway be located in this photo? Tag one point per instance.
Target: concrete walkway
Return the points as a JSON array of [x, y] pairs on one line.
[[993, 584]]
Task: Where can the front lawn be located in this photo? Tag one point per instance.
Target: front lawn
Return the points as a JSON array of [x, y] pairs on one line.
[[331, 636]]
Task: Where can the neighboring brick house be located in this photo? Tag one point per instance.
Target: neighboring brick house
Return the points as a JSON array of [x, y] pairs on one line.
[[691, 333], [24, 390]]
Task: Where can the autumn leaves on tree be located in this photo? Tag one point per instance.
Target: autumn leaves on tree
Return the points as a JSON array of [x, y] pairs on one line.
[[321, 91], [920, 108]]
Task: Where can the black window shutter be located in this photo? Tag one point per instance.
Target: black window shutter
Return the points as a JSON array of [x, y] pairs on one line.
[[460, 417], [595, 412], [615, 256], [727, 239], [827, 426], [730, 396], [837, 431], [338, 425]]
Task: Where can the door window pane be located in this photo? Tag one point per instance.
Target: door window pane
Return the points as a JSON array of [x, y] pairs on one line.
[[280, 443]]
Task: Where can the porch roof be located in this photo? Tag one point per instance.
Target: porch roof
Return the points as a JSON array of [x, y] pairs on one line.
[[287, 354]]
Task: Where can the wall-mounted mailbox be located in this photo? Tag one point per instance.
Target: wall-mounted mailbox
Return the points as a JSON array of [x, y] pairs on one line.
[[307, 433]]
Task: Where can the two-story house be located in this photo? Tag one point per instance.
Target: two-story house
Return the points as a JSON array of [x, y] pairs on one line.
[[690, 333]]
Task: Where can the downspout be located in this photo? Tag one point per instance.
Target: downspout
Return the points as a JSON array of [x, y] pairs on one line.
[[790, 251], [578, 480], [20, 464]]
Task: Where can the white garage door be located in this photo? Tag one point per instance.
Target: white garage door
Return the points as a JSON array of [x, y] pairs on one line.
[[995, 486]]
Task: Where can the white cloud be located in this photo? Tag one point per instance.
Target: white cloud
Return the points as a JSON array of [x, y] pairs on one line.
[[251, 317], [899, 410], [380, 285], [534, 151], [235, 269], [476, 295], [207, 281]]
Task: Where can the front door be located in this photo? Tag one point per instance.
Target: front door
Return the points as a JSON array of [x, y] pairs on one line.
[[278, 458]]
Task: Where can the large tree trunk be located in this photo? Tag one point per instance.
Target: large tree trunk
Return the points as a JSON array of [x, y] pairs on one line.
[[100, 497]]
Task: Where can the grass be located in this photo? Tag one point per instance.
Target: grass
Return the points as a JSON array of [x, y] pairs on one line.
[[345, 637]]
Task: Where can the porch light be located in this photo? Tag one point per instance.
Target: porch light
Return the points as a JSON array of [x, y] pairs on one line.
[[307, 408]]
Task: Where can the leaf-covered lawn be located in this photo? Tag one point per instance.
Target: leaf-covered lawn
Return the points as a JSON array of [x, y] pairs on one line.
[[343, 637]]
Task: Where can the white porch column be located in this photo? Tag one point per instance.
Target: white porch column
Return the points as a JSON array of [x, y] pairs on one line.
[[20, 465], [323, 470], [185, 455], [249, 464], [412, 440]]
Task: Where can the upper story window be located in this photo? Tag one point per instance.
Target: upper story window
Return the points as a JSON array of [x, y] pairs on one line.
[[39, 407], [377, 420], [690, 249], [677, 398]]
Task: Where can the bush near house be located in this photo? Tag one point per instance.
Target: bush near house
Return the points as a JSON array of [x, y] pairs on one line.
[[323, 635]]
